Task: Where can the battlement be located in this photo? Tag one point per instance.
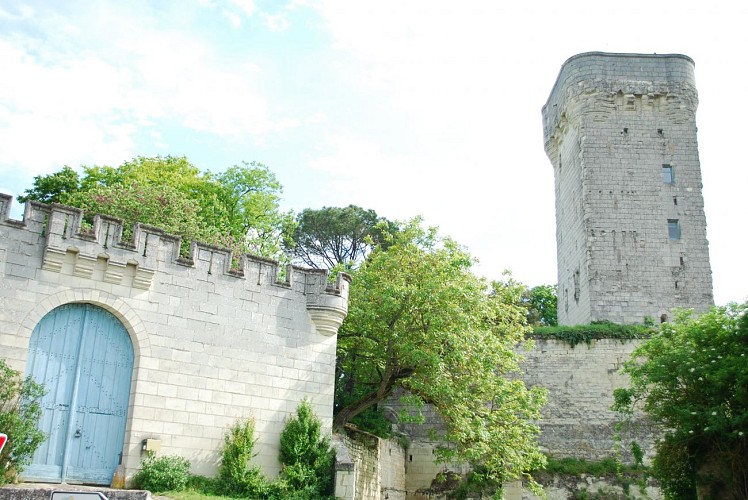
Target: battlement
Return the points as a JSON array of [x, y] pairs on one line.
[[101, 253], [588, 82]]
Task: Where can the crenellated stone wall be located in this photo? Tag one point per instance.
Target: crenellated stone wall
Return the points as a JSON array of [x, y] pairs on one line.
[[212, 343]]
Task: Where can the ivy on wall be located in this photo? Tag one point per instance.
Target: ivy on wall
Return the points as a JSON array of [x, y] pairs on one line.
[[577, 334]]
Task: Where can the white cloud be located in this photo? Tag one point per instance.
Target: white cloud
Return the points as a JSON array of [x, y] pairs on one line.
[[470, 198], [78, 90], [247, 7], [277, 22], [235, 11], [24, 12], [52, 113], [234, 19]]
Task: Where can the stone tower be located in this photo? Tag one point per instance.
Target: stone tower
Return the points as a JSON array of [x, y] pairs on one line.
[[620, 131]]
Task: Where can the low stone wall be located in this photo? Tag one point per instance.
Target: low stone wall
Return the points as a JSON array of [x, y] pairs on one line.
[[368, 467], [563, 488], [34, 491], [392, 470]]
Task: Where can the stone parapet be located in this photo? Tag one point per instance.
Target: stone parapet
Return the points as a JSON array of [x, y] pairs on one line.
[[583, 75]]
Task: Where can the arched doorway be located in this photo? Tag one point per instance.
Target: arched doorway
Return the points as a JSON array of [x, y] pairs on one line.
[[84, 357]]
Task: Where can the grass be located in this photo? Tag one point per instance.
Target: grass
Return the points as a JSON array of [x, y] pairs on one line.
[[189, 495]]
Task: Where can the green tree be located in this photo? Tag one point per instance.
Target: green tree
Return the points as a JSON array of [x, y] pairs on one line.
[[53, 188], [541, 305], [333, 236], [161, 206], [421, 321], [251, 197], [238, 209], [691, 379], [19, 414]]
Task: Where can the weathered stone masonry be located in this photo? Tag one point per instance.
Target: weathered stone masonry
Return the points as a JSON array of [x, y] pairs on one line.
[[211, 344], [577, 421], [615, 126]]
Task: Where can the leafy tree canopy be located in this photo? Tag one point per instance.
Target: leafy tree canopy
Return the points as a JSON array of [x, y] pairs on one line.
[[419, 320], [539, 301], [333, 236], [53, 188], [691, 378], [541, 305], [238, 208]]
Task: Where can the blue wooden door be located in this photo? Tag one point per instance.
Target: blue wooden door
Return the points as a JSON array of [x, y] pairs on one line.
[[84, 357]]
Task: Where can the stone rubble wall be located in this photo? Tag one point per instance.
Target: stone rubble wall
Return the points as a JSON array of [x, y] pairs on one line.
[[596, 487], [577, 420], [368, 467]]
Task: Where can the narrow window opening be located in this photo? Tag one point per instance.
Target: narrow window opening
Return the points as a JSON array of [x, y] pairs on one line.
[[663, 318], [682, 262], [676, 285], [659, 131], [675, 200], [668, 175], [625, 130], [673, 229], [411, 458]]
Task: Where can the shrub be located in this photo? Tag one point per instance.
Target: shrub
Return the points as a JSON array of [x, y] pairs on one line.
[[691, 380], [167, 473], [20, 411], [306, 456], [235, 475]]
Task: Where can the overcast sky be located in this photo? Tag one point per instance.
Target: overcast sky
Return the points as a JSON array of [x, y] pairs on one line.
[[408, 107]]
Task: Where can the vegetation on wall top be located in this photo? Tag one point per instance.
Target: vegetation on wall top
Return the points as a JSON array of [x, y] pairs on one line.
[[577, 334]]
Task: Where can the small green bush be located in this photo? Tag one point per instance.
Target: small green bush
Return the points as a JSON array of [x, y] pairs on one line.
[[476, 484], [167, 473], [20, 411], [235, 475], [306, 456]]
